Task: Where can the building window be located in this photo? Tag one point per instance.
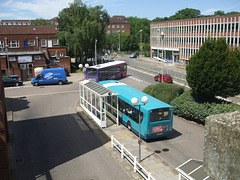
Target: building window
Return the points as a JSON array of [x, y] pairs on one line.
[[14, 44], [31, 42], [43, 42], [122, 26], [55, 42], [37, 58], [1, 44], [118, 26], [12, 58], [108, 32], [108, 26], [113, 26]]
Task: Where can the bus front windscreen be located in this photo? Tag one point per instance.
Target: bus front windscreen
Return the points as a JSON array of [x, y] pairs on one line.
[[91, 72], [160, 114]]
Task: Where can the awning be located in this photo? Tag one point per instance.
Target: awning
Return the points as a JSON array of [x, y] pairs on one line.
[[193, 170], [98, 89]]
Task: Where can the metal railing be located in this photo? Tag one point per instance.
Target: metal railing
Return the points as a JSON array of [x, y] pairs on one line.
[[132, 159], [157, 69]]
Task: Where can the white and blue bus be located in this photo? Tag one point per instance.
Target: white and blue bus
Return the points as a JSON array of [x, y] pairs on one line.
[[156, 116]]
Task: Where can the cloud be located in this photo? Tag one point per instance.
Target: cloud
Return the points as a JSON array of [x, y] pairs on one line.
[[210, 11], [5, 15], [46, 9]]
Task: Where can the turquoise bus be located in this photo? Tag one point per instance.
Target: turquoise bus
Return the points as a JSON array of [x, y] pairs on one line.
[[156, 117]]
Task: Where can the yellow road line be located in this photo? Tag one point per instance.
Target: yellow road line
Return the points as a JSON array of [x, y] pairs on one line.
[[42, 94]]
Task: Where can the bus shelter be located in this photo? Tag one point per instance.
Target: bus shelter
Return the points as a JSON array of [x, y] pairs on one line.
[[98, 101]]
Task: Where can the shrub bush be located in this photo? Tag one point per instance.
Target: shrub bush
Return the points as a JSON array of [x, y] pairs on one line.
[[189, 107], [164, 92]]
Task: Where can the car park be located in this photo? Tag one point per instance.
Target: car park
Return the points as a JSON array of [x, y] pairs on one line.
[[11, 80], [166, 78]]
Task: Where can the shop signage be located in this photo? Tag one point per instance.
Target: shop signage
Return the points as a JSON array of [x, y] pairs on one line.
[[24, 59]]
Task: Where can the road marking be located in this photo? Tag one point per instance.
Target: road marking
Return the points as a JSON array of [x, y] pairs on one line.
[[139, 80], [150, 74], [42, 94], [17, 87]]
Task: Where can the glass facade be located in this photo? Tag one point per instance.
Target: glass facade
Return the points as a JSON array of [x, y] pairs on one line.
[[186, 36]]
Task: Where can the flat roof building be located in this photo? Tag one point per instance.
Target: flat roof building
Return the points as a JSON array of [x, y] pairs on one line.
[[178, 40]]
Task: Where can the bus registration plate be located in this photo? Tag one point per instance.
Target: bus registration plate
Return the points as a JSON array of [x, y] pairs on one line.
[[159, 129]]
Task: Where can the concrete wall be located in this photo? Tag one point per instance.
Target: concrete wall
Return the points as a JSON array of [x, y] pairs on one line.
[[222, 146]]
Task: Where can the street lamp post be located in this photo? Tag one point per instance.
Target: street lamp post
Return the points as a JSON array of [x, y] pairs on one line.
[[95, 51], [162, 36], [158, 43], [134, 101], [119, 47], [84, 68], [141, 41], [7, 56], [8, 60]]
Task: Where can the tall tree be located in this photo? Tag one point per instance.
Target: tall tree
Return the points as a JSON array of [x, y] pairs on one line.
[[79, 28], [219, 13], [186, 13], [214, 70]]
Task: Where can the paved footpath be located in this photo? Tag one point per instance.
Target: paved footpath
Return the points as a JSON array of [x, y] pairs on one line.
[[151, 160]]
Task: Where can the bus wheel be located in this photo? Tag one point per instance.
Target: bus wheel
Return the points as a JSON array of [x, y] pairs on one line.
[[60, 83], [129, 126], [35, 84]]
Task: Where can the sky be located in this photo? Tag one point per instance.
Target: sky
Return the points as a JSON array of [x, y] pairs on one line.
[[150, 9]]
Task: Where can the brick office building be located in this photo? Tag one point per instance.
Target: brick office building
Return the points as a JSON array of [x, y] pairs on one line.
[[117, 24], [23, 48], [182, 38]]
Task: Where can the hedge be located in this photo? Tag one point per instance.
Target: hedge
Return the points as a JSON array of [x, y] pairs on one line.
[[164, 91], [187, 106]]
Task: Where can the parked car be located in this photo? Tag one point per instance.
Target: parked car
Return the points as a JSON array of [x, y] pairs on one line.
[[134, 55], [12, 80], [50, 76], [166, 78]]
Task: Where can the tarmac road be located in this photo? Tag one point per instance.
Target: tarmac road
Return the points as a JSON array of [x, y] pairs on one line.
[[51, 140]]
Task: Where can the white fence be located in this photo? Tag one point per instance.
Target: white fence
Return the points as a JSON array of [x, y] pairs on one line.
[[132, 159]]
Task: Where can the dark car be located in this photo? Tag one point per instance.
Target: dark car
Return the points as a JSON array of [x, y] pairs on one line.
[[12, 80], [166, 78], [134, 55]]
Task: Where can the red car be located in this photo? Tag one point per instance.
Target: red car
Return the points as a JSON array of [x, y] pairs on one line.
[[166, 78]]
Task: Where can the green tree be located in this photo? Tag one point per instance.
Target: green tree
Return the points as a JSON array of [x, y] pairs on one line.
[[233, 12], [137, 24], [219, 13], [214, 70], [80, 26], [186, 13], [41, 22], [131, 43], [112, 41]]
